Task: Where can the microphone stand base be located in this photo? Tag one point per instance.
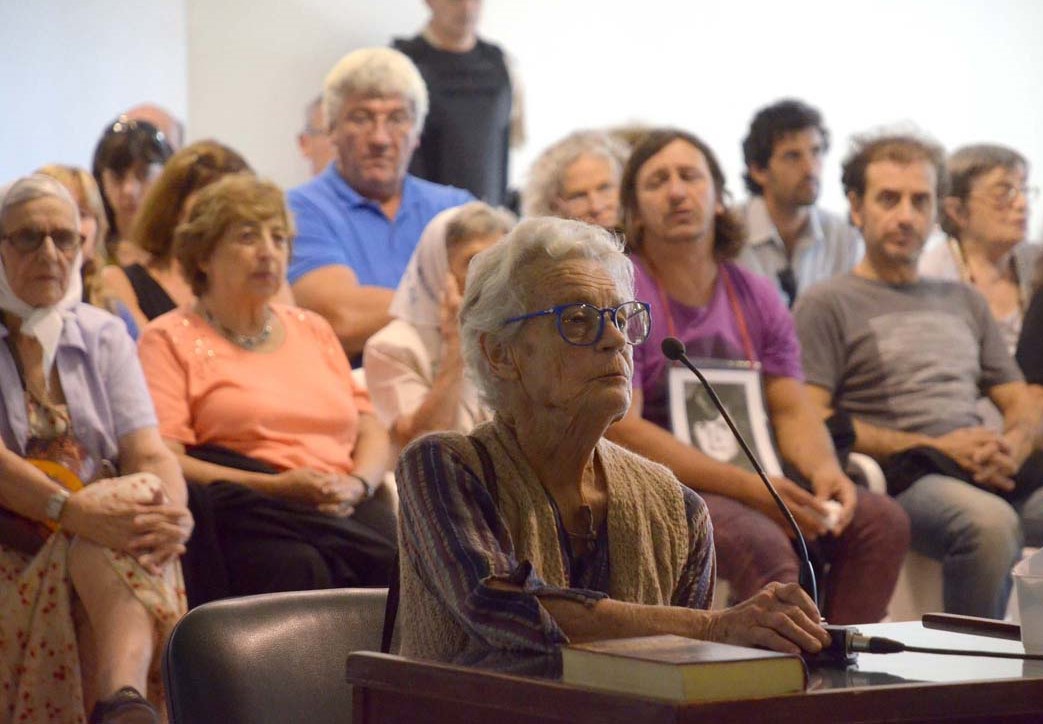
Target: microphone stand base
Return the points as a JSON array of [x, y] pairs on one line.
[[838, 653]]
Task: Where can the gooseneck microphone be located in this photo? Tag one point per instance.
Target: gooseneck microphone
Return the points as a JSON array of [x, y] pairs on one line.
[[674, 350], [846, 642]]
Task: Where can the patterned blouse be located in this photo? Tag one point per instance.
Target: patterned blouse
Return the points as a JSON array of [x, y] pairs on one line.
[[444, 498]]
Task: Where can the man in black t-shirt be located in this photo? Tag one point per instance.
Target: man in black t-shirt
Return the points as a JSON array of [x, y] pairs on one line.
[[475, 111]]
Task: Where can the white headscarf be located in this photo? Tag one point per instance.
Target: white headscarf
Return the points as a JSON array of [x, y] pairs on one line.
[[43, 323], [418, 299]]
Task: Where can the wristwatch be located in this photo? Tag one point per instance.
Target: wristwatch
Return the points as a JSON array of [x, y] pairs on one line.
[[56, 504]]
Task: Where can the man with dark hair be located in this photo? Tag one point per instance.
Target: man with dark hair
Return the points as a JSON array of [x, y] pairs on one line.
[[906, 358], [683, 241], [789, 239], [475, 112]]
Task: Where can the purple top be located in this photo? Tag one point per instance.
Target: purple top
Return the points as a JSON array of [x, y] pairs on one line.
[[102, 381], [711, 332]]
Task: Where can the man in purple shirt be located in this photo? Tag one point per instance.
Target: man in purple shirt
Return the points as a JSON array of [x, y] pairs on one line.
[[683, 241], [359, 221]]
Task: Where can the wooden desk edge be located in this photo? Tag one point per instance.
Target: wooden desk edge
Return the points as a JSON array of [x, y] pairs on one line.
[[906, 701]]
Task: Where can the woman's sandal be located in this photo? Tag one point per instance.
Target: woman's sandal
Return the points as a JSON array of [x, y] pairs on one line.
[[126, 706]]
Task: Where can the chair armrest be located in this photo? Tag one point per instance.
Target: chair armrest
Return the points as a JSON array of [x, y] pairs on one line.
[[870, 470]]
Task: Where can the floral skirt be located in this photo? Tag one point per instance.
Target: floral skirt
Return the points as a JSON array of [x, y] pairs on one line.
[[41, 679]]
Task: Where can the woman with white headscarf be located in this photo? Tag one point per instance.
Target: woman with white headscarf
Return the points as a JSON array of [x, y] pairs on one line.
[[414, 370], [87, 601]]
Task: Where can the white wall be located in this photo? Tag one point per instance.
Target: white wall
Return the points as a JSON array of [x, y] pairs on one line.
[[242, 70], [965, 71], [68, 67]]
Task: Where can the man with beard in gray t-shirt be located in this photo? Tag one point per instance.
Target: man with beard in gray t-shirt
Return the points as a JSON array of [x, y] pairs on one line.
[[908, 358]]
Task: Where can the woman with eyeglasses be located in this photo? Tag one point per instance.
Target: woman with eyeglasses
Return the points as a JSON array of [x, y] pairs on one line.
[[256, 399], [127, 160], [534, 530], [92, 504], [985, 214], [156, 285], [414, 368]]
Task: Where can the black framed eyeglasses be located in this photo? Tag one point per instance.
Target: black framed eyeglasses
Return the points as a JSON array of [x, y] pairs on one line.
[[28, 241], [582, 324]]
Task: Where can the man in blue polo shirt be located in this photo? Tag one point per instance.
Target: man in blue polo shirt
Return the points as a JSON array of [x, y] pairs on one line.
[[360, 219]]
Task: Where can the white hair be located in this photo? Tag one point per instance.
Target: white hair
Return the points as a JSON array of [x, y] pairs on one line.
[[375, 72], [545, 174], [500, 281], [33, 187]]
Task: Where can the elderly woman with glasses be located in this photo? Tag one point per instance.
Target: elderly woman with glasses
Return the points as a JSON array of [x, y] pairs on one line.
[[577, 178], [87, 601], [985, 215], [534, 530]]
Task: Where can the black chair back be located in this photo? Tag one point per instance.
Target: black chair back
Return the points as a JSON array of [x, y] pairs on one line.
[[276, 657]]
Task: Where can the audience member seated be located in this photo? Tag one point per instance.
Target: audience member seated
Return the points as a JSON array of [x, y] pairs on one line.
[[684, 241], [577, 178], [257, 400], [360, 219], [94, 228], [535, 531], [314, 139], [127, 160], [170, 126], [1030, 346], [907, 358], [157, 285], [789, 238], [985, 214], [87, 601], [93, 225], [414, 370]]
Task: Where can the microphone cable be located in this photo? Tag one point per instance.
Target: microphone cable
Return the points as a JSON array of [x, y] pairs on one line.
[[881, 645]]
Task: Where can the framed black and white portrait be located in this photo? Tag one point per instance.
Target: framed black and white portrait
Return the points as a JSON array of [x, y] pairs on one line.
[[697, 422]]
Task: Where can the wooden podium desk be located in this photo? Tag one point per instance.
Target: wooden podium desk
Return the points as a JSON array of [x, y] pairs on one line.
[[896, 687]]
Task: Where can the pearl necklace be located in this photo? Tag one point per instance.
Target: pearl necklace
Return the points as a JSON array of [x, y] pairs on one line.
[[246, 341]]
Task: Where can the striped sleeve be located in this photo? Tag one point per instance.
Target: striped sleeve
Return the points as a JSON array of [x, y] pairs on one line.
[[698, 577], [459, 545]]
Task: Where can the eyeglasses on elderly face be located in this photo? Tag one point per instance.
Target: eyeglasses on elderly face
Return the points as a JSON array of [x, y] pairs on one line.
[[1003, 196], [583, 325], [28, 241]]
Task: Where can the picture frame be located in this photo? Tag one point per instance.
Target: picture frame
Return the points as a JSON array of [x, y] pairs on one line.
[[697, 422]]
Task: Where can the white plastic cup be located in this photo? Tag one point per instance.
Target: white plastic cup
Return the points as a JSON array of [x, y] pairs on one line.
[[1028, 582]]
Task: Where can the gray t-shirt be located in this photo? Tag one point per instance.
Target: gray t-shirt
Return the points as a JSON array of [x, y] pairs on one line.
[[912, 357]]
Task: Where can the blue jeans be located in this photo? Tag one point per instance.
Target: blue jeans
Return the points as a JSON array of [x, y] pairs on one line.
[[976, 535]]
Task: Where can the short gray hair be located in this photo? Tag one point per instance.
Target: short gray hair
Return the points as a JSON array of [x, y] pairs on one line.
[[500, 280], [544, 183], [966, 164], [475, 219], [377, 73], [33, 187]]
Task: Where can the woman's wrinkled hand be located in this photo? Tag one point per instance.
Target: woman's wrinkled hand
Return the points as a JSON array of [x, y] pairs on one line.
[[780, 616], [152, 530]]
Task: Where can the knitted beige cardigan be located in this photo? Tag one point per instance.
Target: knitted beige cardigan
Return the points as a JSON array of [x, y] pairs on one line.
[[648, 536]]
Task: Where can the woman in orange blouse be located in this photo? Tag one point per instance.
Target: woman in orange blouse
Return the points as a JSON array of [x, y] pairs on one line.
[[257, 400]]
